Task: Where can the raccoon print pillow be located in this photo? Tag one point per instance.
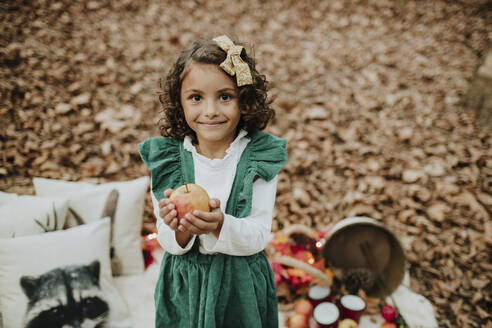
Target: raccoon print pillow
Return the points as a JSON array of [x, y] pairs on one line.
[[68, 296], [60, 276]]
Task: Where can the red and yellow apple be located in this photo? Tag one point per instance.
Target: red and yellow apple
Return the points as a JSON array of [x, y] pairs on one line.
[[188, 198], [303, 306], [298, 320], [347, 323]]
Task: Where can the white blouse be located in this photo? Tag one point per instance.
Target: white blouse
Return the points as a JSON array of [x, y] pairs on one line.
[[240, 237]]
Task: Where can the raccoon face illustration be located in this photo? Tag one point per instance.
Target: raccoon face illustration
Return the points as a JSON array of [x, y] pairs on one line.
[[66, 297]]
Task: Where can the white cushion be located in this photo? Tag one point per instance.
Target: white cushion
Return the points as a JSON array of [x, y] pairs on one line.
[[36, 255], [29, 215], [127, 221], [5, 197], [88, 204]]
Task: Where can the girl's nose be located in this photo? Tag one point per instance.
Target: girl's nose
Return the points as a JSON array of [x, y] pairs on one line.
[[211, 109]]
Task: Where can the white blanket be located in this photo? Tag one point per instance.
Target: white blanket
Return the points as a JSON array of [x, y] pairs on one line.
[[138, 292]]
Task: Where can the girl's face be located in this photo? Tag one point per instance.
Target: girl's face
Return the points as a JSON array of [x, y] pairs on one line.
[[210, 103]]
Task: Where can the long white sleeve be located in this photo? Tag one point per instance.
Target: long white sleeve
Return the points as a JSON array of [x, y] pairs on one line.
[[249, 235], [166, 236]]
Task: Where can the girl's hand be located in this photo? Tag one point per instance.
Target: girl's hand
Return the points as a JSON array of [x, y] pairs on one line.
[[168, 214], [204, 222], [167, 211]]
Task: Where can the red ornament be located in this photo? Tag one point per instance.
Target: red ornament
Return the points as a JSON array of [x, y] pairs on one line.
[[389, 313]]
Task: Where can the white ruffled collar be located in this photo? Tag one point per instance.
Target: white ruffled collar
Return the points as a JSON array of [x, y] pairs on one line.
[[235, 146]]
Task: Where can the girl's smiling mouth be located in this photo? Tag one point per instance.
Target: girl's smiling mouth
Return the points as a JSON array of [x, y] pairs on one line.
[[211, 123]]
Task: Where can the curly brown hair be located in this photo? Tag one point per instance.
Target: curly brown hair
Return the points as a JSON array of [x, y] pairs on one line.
[[253, 100]]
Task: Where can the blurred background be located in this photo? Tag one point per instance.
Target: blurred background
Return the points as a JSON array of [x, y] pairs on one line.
[[377, 99]]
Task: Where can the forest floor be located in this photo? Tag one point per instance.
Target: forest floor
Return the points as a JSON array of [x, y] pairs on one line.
[[367, 93]]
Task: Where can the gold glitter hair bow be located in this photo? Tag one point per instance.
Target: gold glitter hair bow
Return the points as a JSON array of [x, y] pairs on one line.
[[234, 64]]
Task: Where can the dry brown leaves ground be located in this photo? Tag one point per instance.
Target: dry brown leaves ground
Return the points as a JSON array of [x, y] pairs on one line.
[[367, 95]]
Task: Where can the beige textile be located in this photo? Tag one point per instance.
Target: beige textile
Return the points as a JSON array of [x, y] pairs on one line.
[[233, 64]]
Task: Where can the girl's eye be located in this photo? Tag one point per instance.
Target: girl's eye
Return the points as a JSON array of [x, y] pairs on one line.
[[195, 98], [225, 97]]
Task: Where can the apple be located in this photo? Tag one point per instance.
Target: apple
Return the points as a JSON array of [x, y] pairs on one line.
[[298, 320], [347, 323], [389, 325], [189, 197], [303, 306]]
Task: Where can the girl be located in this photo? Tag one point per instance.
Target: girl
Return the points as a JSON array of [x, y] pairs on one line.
[[214, 272]]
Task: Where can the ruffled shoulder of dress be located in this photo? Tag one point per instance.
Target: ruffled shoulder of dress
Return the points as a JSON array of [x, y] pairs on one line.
[[268, 154], [162, 158], [264, 157], [157, 151]]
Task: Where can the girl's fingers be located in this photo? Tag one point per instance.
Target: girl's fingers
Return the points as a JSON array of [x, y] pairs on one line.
[[164, 202], [197, 226], [191, 229], [214, 203], [208, 216], [164, 211], [170, 216], [173, 224]]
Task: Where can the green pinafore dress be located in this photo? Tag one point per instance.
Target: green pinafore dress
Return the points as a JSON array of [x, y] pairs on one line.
[[198, 290]]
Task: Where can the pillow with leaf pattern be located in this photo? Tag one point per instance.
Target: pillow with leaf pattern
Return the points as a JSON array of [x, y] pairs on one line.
[[124, 203], [23, 215]]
